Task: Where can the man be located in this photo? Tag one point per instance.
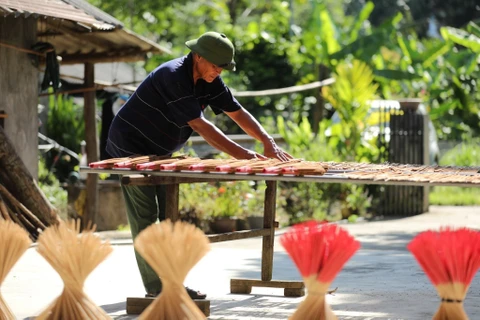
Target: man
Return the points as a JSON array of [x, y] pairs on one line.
[[162, 114]]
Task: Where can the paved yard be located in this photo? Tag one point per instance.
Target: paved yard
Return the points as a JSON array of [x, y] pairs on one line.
[[381, 281]]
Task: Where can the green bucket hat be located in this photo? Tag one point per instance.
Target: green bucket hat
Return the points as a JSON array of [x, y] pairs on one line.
[[216, 48]]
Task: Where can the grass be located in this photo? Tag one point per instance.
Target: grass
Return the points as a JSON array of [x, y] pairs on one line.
[[455, 196], [465, 153]]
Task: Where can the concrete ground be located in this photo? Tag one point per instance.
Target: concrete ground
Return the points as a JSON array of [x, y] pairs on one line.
[[381, 281]]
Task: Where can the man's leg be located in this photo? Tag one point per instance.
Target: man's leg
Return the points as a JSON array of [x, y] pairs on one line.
[[142, 211], [162, 199]]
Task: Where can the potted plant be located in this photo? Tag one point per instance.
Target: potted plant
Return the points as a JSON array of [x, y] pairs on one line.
[[225, 209], [232, 201]]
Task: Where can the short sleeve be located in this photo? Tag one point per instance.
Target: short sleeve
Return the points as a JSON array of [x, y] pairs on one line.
[[222, 99]]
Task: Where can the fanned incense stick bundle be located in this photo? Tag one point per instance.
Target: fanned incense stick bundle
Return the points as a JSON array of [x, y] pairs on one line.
[[132, 163], [172, 249], [14, 241], [74, 256], [232, 166], [450, 258], [277, 168], [210, 164], [181, 164], [319, 250], [106, 164], [257, 166], [306, 168]]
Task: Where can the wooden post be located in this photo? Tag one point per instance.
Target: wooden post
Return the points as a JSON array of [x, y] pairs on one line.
[[90, 212], [171, 209], [268, 223], [426, 160]]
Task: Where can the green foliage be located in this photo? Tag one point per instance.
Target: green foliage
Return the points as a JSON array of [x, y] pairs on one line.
[[350, 96], [66, 126], [462, 37], [303, 143], [50, 186], [305, 201], [454, 196], [465, 154], [219, 199]]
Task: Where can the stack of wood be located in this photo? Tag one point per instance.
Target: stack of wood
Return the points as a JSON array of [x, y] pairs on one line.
[[21, 200]]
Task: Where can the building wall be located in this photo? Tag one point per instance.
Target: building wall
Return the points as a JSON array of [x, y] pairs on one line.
[[19, 88]]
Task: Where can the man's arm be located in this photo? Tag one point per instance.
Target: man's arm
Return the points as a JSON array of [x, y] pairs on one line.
[[217, 139], [254, 129]]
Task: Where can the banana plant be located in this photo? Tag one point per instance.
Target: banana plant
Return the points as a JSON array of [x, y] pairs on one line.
[[350, 95]]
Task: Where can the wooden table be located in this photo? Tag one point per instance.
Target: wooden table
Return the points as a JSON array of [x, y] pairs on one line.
[[291, 288], [172, 180]]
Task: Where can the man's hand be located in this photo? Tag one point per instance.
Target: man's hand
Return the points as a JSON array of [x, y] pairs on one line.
[[271, 150], [254, 155], [253, 128]]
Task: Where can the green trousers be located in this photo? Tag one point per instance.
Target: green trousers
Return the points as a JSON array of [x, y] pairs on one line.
[[145, 204]]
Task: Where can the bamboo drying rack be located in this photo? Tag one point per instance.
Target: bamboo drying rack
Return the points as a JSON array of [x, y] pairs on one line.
[[385, 174]]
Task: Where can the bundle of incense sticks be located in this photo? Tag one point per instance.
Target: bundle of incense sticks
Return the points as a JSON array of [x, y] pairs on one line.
[[14, 241], [74, 256], [172, 249], [450, 258], [155, 165], [277, 168], [209, 165], [257, 166], [135, 162], [306, 168], [319, 250], [180, 164], [107, 164], [232, 166]]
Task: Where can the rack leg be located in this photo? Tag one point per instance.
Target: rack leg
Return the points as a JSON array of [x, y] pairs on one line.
[[269, 223], [172, 191]]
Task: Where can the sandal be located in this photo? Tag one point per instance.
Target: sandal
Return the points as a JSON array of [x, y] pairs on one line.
[[194, 294]]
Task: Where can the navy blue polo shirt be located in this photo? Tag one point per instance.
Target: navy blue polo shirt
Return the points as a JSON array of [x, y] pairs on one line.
[[155, 118]]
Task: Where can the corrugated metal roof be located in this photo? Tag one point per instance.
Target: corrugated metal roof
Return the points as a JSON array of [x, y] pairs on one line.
[[94, 11], [51, 8], [81, 32]]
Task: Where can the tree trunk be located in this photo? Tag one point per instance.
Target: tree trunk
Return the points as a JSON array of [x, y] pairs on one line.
[[15, 176]]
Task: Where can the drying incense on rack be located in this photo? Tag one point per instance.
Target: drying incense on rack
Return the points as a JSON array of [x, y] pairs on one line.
[[450, 258], [331, 171], [129, 162], [416, 176], [269, 166], [74, 256], [319, 250], [14, 242], [172, 249]]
